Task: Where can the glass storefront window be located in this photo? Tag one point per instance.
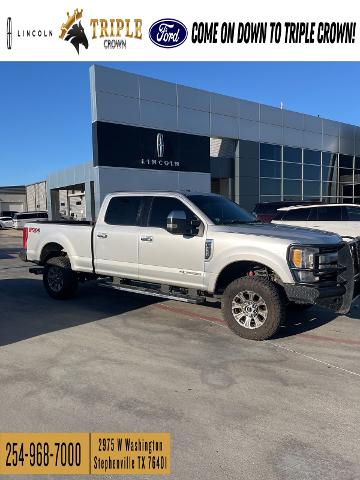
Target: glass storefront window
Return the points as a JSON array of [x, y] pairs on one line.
[[347, 191], [329, 173], [311, 189], [292, 170], [346, 175], [270, 152], [270, 186], [293, 155], [329, 159], [357, 165], [270, 169], [292, 188], [311, 172], [312, 156], [329, 189], [345, 161]]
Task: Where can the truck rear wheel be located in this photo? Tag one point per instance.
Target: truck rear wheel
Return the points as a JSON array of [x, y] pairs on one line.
[[59, 280], [253, 308]]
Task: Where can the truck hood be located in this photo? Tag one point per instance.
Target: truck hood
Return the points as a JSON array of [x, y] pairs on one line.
[[284, 232]]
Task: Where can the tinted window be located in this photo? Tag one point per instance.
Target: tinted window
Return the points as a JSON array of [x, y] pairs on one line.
[[311, 156], [269, 186], [123, 211], [345, 161], [311, 189], [311, 172], [270, 152], [328, 173], [353, 214], [313, 216], [162, 206], [298, 215], [270, 169], [292, 170], [329, 214], [292, 155], [220, 210], [292, 188], [279, 215], [5, 219], [329, 159]]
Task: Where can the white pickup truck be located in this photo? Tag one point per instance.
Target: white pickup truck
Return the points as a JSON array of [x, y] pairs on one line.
[[191, 246]]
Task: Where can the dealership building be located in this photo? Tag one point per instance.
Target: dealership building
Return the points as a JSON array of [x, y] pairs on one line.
[[151, 134]]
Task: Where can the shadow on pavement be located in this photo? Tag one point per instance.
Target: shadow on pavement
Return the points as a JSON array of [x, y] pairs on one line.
[[27, 311], [314, 317], [10, 252]]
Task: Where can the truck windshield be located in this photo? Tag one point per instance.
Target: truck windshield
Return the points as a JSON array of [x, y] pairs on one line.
[[221, 211]]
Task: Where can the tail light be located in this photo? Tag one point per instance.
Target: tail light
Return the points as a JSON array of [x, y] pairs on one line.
[[25, 237]]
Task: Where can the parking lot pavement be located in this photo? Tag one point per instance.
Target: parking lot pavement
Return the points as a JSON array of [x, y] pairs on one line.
[[108, 361]]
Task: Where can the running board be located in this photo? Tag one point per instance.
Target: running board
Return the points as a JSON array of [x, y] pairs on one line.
[[151, 292]]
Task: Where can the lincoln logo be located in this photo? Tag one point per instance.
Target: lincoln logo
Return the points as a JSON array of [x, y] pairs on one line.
[[9, 33], [160, 145]]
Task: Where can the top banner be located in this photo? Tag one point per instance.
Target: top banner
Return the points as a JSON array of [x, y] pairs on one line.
[[143, 30]]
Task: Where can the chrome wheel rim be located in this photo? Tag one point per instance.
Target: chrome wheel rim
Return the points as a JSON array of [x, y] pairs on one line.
[[55, 279], [249, 309]]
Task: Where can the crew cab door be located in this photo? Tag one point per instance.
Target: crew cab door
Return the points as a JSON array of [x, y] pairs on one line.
[[167, 258], [116, 238]]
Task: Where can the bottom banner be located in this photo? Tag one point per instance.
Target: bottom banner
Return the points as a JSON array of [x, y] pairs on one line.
[[85, 453]]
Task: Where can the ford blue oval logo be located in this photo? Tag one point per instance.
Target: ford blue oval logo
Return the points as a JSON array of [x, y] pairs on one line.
[[168, 33]]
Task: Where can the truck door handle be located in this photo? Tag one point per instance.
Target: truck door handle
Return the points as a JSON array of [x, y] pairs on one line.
[[146, 239], [101, 235]]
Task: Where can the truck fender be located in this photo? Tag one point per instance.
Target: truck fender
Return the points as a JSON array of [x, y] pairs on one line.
[[276, 264], [63, 242]]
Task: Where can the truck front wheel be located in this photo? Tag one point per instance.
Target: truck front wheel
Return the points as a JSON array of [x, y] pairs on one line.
[[253, 308], [59, 280]]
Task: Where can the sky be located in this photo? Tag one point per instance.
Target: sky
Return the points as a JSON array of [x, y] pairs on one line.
[[45, 106]]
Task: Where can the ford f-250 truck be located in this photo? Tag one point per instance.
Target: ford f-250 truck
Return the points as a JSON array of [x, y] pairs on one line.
[[190, 246]]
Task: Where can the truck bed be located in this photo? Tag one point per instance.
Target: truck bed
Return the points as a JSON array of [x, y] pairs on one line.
[[74, 237]]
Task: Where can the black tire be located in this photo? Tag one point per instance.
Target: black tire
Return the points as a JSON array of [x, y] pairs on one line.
[[268, 308], [59, 280], [299, 307]]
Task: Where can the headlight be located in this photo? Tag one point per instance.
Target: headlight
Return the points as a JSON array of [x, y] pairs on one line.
[[303, 257], [306, 262]]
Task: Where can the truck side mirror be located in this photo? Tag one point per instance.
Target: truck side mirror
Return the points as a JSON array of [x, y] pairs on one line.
[[177, 222]]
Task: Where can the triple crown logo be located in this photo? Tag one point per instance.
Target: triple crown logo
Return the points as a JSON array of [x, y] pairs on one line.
[[74, 31]]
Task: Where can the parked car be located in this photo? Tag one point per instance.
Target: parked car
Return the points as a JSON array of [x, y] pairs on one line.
[[343, 219], [21, 219], [190, 246], [8, 213], [266, 211], [6, 222]]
